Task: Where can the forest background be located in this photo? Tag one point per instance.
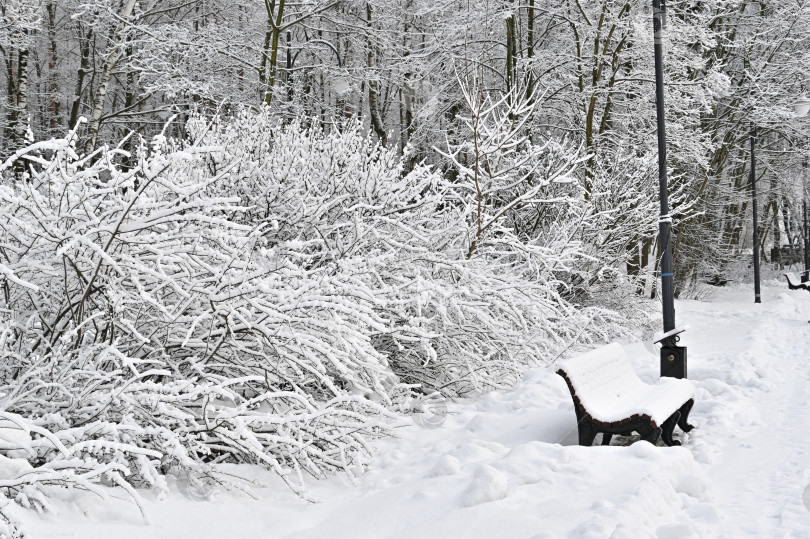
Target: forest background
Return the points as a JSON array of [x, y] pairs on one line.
[[246, 231]]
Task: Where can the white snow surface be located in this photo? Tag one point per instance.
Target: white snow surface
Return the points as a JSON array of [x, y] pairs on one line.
[[610, 390], [506, 465]]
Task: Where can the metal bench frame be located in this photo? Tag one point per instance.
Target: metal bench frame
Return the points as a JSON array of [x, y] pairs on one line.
[[795, 284]]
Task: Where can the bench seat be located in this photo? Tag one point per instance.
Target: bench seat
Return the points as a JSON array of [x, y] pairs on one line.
[[609, 397]]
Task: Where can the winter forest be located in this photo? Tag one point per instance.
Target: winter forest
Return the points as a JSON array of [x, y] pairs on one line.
[[245, 234]]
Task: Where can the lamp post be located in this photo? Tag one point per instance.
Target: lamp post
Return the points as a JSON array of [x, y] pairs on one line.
[[806, 274], [800, 109], [673, 357], [753, 136]]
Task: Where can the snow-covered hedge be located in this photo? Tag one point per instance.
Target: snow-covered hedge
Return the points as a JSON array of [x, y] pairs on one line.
[[452, 323], [258, 293]]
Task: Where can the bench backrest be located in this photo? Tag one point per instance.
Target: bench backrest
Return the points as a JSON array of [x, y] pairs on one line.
[[601, 375]]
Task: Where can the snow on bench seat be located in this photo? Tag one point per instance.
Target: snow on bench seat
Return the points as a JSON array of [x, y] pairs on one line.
[[607, 391]]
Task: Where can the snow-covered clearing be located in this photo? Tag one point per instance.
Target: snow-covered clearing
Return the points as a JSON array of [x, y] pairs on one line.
[[507, 464]]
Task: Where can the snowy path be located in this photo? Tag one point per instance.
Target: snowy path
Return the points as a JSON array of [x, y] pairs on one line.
[[767, 466], [507, 465]]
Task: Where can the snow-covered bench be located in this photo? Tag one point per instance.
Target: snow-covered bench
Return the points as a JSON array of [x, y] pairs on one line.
[[610, 398], [794, 283]]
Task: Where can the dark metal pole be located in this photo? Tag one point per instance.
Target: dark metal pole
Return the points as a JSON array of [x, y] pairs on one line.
[[289, 67], [673, 357], [757, 296], [804, 227], [665, 220], [804, 220]]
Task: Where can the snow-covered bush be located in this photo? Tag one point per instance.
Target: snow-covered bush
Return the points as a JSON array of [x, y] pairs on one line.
[[453, 323], [145, 331], [258, 293]]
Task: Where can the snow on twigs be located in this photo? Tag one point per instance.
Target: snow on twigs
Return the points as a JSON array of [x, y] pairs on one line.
[[263, 295]]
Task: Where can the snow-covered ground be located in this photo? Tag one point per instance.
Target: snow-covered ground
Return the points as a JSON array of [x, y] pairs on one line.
[[507, 465]]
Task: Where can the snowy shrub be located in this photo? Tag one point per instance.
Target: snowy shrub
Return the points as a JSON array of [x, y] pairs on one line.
[[453, 323], [148, 332], [259, 294]]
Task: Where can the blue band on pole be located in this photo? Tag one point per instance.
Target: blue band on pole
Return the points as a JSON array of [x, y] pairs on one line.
[[667, 274]]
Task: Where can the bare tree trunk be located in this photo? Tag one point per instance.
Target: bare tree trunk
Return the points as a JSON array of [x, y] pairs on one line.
[[104, 81], [274, 20], [268, 36], [20, 113], [54, 105], [777, 233], [787, 221], [408, 94], [374, 86], [84, 68], [511, 52], [530, 47], [11, 75], [129, 103]]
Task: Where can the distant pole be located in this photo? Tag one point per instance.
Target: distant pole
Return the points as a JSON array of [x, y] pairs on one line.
[[804, 217], [289, 67], [757, 295], [673, 357]]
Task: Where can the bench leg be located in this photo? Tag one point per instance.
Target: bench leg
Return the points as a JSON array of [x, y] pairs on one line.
[[606, 437], [587, 432], [668, 427], [684, 410], [586, 428], [649, 434]]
